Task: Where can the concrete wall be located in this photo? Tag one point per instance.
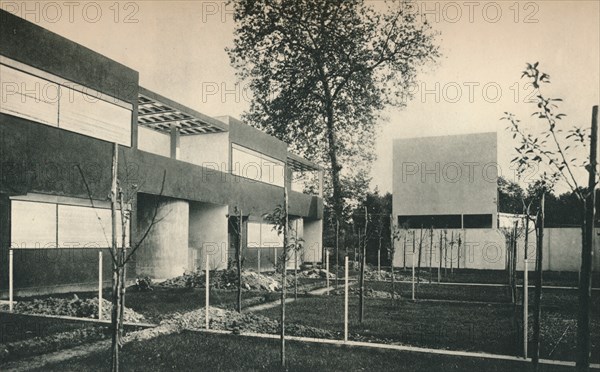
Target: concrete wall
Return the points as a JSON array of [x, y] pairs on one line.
[[208, 150], [255, 139], [313, 247], [164, 253], [31, 44], [154, 142], [208, 235], [486, 249], [445, 175]]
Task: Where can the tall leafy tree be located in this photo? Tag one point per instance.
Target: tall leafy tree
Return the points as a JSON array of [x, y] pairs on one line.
[[321, 71]]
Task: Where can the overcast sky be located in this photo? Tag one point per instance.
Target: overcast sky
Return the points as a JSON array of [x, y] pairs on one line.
[[178, 48]]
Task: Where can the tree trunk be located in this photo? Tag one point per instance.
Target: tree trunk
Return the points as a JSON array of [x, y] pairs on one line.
[[335, 166], [585, 277], [537, 306], [116, 309], [122, 281], [392, 254], [116, 288], [123, 285]]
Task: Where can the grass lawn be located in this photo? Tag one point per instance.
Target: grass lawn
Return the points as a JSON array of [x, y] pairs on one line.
[[18, 327], [208, 352], [456, 326], [161, 302], [445, 292], [551, 278]]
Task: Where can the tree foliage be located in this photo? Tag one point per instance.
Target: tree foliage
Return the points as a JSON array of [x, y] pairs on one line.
[[320, 72]]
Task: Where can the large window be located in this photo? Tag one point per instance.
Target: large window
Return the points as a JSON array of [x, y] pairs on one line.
[[50, 225], [44, 98], [91, 116], [477, 221], [28, 97], [33, 225], [447, 221], [256, 166], [437, 221]]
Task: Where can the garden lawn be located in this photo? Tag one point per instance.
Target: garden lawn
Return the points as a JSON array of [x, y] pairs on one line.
[[448, 325], [210, 352], [551, 278], [19, 327]]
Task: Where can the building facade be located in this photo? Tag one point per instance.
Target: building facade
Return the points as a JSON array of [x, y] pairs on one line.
[[445, 197], [63, 108]]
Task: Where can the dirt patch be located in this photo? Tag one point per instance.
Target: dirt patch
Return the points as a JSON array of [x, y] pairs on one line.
[[384, 275], [227, 320], [224, 279], [316, 273], [369, 292], [74, 306]]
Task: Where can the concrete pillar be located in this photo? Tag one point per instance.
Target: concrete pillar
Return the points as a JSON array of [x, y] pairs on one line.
[[313, 240], [175, 142], [208, 234], [164, 252]]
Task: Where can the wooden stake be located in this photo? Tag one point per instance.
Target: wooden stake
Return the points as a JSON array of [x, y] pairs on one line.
[[207, 293], [337, 240], [430, 251], [526, 288], [100, 285], [327, 269], [10, 280], [239, 260], [413, 269], [346, 299], [440, 258]]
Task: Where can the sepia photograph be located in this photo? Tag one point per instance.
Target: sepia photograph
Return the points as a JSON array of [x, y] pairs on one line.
[[299, 185]]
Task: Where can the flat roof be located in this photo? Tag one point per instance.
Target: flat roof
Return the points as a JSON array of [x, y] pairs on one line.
[[449, 136], [299, 164]]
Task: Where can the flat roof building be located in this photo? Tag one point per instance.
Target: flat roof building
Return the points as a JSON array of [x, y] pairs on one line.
[[63, 107], [446, 181]]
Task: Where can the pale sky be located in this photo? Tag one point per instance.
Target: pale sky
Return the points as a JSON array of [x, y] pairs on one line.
[[178, 48]]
